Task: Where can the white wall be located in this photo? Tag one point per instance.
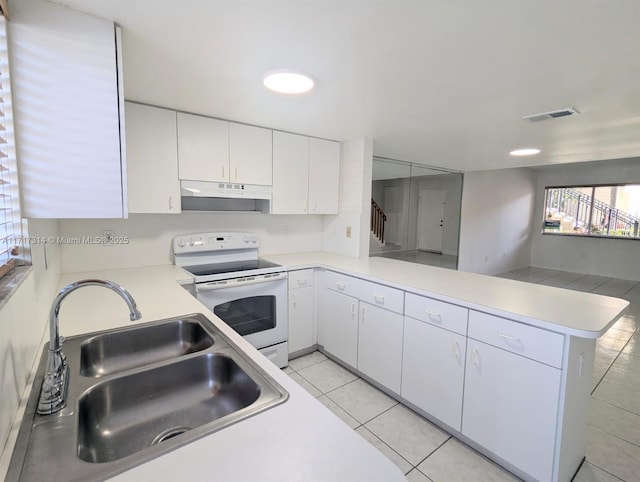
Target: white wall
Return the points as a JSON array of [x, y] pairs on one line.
[[150, 237], [23, 322], [619, 258], [355, 202], [497, 211]]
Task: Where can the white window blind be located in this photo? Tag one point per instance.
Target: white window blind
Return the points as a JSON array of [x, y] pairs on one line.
[[10, 224]]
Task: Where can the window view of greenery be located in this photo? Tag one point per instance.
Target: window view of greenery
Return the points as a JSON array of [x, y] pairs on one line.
[[601, 211]]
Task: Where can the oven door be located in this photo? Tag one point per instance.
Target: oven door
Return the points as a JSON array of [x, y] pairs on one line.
[[254, 306]]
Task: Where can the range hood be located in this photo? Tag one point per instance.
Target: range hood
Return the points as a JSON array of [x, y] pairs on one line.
[[222, 196]]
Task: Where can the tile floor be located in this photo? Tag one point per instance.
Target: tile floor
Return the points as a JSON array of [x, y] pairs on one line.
[[426, 453]]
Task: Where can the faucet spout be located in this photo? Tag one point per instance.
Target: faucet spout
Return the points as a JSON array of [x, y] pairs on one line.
[[54, 385]]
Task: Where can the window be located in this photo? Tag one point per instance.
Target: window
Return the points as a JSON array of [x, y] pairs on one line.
[[10, 222], [611, 211]]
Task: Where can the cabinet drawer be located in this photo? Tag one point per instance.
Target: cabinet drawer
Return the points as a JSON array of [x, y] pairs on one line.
[[342, 283], [535, 343], [379, 295], [300, 278], [438, 313]]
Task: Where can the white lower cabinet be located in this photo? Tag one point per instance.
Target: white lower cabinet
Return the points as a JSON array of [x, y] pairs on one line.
[[301, 311], [380, 345], [338, 325], [433, 367], [302, 332], [511, 407]]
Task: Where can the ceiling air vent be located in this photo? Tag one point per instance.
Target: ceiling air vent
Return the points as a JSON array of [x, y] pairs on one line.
[[554, 114]]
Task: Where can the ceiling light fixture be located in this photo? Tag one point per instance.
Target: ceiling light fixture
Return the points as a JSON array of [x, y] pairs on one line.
[[525, 152], [288, 82]]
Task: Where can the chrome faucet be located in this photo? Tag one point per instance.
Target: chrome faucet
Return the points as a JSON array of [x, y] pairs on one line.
[[56, 378]]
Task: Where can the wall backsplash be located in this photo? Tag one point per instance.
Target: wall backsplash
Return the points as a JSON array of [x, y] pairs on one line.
[[149, 237]]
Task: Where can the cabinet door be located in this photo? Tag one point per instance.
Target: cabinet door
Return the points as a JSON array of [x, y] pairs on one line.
[[301, 310], [338, 325], [290, 173], [67, 114], [203, 148], [433, 370], [324, 176], [511, 407], [250, 154], [151, 155], [380, 345]]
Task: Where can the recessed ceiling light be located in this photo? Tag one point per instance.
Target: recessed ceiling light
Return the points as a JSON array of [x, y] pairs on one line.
[[525, 152], [288, 82]]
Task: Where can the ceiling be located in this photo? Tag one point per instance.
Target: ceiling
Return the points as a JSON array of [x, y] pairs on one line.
[[437, 82]]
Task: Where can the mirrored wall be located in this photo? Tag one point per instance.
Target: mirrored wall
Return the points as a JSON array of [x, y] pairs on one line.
[[415, 213]]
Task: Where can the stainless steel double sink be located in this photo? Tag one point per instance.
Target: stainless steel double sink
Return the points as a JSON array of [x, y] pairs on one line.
[[136, 393]]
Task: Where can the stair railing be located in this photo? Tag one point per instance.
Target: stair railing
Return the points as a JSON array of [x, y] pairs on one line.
[[601, 217], [378, 218]]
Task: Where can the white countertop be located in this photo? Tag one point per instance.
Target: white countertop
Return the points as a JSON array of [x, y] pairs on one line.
[[299, 440], [564, 311]]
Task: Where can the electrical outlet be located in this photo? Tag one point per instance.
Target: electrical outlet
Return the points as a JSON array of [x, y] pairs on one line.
[[348, 231]]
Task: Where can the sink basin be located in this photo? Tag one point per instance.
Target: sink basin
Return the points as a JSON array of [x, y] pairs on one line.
[[137, 393], [127, 414], [134, 347]]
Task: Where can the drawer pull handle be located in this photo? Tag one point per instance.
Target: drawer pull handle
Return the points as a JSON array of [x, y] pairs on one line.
[[353, 310], [437, 317], [475, 358], [340, 286], [362, 314], [293, 295], [379, 299], [509, 338], [302, 282], [455, 350]]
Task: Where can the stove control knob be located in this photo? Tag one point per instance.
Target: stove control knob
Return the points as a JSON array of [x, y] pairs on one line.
[[180, 243], [190, 241], [254, 238], [245, 238]]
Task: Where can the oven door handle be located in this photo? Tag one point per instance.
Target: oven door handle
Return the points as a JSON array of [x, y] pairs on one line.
[[236, 283]]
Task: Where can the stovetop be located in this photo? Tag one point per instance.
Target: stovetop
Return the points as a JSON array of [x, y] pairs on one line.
[[230, 267]]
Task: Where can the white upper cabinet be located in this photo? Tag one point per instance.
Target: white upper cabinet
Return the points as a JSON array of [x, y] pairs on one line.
[[250, 154], [152, 163], [67, 113], [203, 148], [324, 176], [306, 175], [290, 173]]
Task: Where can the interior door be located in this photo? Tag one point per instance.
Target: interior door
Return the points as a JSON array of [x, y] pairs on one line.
[[430, 219]]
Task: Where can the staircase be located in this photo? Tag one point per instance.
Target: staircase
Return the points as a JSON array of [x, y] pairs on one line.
[[378, 220]]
